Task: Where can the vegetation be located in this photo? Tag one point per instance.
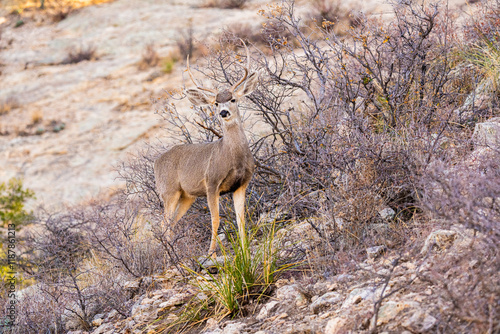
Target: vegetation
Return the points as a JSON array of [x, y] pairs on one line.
[[352, 121]]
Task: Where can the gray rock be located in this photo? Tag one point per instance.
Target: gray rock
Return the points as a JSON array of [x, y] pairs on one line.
[[175, 300], [267, 309], [420, 322], [439, 238], [487, 133], [287, 292], [324, 301], [357, 295], [344, 278], [335, 326], [375, 251], [132, 285], [104, 328], [387, 214], [235, 328]]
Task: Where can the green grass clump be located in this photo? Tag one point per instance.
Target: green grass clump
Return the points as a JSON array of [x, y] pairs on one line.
[[244, 273]]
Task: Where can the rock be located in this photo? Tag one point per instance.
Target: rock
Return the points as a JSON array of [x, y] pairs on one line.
[[288, 292], [234, 328], [144, 313], [357, 295], [375, 251], [97, 322], [344, 278], [439, 238], [147, 301], [335, 326], [420, 322], [177, 299], [389, 311], [132, 285], [267, 309], [487, 133], [324, 301], [104, 328], [387, 214], [212, 325], [208, 262]]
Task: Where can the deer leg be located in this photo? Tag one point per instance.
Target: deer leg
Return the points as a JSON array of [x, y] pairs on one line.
[[213, 205], [239, 209], [184, 205], [171, 202]]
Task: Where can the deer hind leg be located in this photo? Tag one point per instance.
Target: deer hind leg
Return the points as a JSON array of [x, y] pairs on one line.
[[213, 205], [239, 208], [184, 205], [171, 202]]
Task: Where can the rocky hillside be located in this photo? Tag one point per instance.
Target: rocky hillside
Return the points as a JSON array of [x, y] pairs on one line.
[[64, 126], [374, 206]]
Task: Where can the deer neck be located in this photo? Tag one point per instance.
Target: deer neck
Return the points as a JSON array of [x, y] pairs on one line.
[[234, 138]]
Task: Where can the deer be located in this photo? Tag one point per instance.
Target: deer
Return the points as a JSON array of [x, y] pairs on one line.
[[188, 171]]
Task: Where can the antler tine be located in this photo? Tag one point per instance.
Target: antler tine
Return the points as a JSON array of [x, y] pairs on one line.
[[245, 68], [213, 91]]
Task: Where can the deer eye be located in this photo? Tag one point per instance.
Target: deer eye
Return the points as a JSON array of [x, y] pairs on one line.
[[233, 100], [216, 104]]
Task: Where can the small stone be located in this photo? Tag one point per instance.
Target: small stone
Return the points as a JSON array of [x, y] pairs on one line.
[[267, 309], [288, 292], [387, 214], [344, 278], [324, 301], [487, 133], [357, 295], [234, 328], [177, 299], [375, 251], [131, 285], [439, 238], [97, 322], [420, 322], [146, 301], [335, 326]]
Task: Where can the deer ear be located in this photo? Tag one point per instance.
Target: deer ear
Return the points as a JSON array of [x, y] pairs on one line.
[[248, 86], [198, 98]]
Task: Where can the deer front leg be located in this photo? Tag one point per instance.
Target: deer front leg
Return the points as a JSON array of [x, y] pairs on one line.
[[213, 205], [239, 209]]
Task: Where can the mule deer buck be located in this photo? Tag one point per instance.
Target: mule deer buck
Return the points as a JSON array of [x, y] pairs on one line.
[[188, 171]]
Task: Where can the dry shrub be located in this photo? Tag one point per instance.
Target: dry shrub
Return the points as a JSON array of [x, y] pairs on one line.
[[467, 281], [80, 54], [8, 104], [149, 58], [225, 4], [333, 15]]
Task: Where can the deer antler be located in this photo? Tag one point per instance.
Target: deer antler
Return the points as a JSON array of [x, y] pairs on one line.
[[213, 91], [245, 68]]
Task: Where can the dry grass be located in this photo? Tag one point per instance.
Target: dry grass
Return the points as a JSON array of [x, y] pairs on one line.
[[80, 54], [225, 4], [150, 57], [36, 117], [8, 105]]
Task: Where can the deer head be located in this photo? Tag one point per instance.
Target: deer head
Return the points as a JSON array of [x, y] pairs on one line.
[[226, 101]]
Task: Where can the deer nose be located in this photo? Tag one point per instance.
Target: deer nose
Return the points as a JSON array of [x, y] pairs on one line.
[[224, 113]]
